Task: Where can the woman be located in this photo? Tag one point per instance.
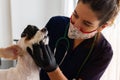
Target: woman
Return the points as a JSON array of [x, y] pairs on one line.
[[78, 50]]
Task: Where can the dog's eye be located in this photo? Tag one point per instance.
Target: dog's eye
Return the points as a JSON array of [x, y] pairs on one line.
[[44, 30]]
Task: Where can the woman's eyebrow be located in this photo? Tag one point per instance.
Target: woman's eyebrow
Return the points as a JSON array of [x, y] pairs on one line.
[[76, 13]]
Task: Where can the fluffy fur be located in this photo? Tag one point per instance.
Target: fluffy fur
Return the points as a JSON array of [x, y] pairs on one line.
[[25, 68]]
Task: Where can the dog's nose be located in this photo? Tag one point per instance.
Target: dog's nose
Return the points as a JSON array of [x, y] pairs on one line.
[[43, 29]]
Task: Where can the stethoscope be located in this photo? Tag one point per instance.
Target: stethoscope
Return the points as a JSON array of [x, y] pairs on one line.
[[68, 46]]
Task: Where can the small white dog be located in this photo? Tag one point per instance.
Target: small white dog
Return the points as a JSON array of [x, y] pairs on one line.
[[25, 69]]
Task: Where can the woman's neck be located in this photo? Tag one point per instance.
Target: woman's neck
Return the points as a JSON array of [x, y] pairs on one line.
[[77, 42]]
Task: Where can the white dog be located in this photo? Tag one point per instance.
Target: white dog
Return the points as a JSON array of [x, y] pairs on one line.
[[25, 69]]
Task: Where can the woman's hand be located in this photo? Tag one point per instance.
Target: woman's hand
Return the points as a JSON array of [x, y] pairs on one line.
[[43, 56]]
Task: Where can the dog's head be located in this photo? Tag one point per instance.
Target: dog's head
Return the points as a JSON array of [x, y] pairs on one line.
[[32, 35], [31, 30]]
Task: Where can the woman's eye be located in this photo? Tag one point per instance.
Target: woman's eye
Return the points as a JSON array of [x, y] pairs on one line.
[[86, 24]]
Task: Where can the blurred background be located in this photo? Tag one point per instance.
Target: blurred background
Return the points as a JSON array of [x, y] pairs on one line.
[[15, 15]]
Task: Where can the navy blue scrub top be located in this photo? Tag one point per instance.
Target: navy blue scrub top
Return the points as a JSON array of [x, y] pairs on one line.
[[95, 65]]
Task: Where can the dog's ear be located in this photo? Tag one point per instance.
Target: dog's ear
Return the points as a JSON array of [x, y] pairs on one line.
[[29, 31], [11, 52]]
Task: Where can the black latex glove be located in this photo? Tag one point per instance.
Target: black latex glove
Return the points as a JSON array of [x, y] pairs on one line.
[[43, 56]]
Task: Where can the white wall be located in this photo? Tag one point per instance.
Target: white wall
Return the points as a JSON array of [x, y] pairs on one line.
[[5, 23], [36, 12]]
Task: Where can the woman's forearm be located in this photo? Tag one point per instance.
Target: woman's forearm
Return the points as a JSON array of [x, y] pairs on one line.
[[57, 75]]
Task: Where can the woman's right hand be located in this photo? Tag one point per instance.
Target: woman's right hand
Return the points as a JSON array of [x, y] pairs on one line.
[[43, 56]]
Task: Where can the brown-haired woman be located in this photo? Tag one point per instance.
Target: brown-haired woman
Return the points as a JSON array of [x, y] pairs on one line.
[[77, 49]]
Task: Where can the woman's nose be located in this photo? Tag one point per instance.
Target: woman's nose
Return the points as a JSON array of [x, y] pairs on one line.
[[77, 23]]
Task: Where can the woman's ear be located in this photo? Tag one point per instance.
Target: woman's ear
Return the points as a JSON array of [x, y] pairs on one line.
[[102, 27]]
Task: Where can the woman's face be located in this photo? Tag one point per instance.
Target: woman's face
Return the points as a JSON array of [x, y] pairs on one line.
[[84, 18]]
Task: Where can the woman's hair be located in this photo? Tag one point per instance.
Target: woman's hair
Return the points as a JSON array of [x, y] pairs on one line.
[[106, 10]]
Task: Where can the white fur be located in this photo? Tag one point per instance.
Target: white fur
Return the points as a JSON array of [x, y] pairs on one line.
[[25, 69]]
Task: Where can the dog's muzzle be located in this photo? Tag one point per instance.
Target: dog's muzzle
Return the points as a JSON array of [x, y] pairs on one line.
[[45, 39]]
